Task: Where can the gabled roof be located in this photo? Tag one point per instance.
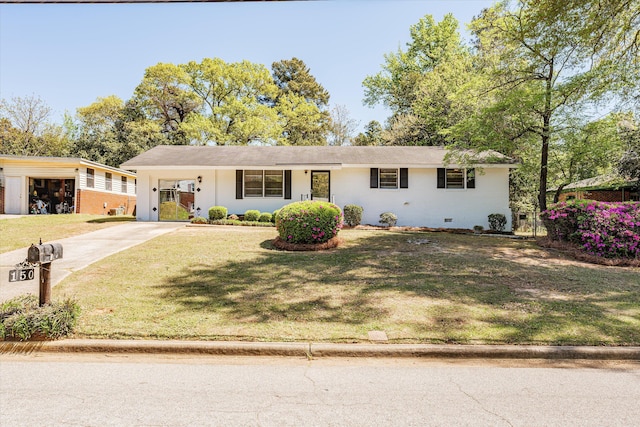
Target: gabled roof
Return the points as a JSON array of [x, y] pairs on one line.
[[182, 156]]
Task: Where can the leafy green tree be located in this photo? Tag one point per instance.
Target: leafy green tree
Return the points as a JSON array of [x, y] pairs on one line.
[[301, 104], [583, 151], [629, 163], [545, 63], [232, 95], [111, 131], [419, 84], [372, 134], [165, 96]]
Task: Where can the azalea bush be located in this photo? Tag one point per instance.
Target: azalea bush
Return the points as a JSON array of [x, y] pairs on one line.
[[309, 222], [610, 230]]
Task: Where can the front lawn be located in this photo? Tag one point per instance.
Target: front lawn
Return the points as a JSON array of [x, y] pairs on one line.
[[224, 283]]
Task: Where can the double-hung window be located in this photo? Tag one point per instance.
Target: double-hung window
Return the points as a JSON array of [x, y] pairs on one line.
[[389, 178], [268, 183], [456, 178], [108, 178], [123, 185], [90, 178], [263, 183]]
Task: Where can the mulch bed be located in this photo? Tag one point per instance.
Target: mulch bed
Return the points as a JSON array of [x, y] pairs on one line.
[[286, 246], [576, 252]]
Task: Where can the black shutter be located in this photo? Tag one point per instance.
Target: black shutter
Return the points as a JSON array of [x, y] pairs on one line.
[[373, 181], [238, 184], [442, 174], [404, 178], [287, 184], [471, 178]]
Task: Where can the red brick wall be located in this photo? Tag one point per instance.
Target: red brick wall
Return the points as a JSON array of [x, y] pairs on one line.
[[92, 202]]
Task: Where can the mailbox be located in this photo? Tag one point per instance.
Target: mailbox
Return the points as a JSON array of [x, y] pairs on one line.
[[44, 253]]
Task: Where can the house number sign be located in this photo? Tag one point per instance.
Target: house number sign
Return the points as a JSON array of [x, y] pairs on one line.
[[23, 271]]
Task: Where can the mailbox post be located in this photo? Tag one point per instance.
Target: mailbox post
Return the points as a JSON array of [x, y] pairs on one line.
[[43, 255]]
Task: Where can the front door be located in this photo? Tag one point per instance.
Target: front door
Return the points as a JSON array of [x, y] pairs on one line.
[[176, 200], [320, 186]]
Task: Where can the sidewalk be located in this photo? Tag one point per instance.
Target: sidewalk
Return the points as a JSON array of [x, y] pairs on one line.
[[79, 252]]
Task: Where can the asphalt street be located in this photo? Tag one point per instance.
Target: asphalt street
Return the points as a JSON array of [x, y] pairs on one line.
[[120, 390]]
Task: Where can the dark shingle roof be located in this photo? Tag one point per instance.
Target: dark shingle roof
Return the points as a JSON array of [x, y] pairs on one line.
[[269, 156]]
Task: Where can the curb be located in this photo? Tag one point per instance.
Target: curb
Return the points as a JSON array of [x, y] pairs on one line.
[[319, 350]]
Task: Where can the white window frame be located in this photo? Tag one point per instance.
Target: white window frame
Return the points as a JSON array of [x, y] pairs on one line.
[[389, 172]]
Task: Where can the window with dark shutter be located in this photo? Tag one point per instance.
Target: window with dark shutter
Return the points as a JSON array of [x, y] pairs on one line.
[[373, 181], [404, 178], [287, 184], [238, 184], [442, 177]]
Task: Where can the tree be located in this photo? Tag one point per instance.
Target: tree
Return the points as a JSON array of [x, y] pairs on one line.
[[583, 151], [232, 95], [629, 163], [418, 83], [372, 134], [166, 97], [342, 126], [301, 103], [544, 67], [111, 131], [26, 130]]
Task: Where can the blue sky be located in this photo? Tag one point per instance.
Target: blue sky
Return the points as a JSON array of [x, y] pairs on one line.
[[69, 55]]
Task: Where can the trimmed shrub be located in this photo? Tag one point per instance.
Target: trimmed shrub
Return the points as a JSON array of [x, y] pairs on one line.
[[309, 222], [199, 220], [497, 222], [388, 218], [353, 215], [217, 212], [22, 318], [274, 215], [609, 230], [252, 215], [265, 217]]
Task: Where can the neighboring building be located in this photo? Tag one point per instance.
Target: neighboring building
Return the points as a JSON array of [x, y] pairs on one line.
[[178, 182], [604, 188], [34, 185]]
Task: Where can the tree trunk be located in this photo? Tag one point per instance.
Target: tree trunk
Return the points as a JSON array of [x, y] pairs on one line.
[[546, 136]]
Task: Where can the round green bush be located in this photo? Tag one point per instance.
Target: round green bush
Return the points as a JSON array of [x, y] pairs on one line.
[[265, 217], [389, 219], [217, 212], [353, 215], [497, 222], [252, 215], [309, 222]]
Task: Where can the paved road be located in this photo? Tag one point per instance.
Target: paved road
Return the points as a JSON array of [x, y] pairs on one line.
[[80, 251], [111, 390]]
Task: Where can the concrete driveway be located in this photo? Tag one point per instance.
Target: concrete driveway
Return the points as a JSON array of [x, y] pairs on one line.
[[79, 252]]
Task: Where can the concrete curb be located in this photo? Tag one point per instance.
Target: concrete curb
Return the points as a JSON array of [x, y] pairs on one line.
[[319, 350]]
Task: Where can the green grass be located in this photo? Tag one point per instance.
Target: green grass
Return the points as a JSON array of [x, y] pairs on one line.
[[221, 283], [22, 232]]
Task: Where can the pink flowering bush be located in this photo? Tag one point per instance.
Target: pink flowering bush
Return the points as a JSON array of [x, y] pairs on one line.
[[309, 222], [610, 230]]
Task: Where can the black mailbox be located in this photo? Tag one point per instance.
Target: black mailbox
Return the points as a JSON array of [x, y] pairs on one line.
[[44, 253]]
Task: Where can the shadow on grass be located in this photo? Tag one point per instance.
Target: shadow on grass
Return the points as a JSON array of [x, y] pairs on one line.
[[440, 287]]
